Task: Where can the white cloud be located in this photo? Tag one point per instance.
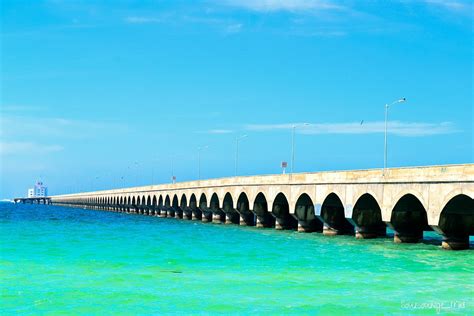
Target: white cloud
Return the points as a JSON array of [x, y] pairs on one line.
[[283, 5], [449, 5], [233, 28], [142, 20], [19, 126], [394, 127], [220, 131], [13, 148]]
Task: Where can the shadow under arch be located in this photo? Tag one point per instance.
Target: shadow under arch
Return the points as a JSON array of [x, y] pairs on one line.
[[193, 205], [333, 217], [178, 212], [218, 216], [167, 207], [205, 211], [456, 222], [304, 213], [243, 208], [409, 219], [367, 218], [281, 212], [183, 203], [260, 208], [231, 215]]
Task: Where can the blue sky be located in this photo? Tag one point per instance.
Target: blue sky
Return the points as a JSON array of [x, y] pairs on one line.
[[102, 94]]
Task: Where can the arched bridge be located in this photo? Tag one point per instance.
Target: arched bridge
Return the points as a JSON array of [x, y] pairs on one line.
[[363, 202]]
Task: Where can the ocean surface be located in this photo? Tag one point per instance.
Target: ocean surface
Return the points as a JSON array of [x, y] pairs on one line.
[[60, 261]]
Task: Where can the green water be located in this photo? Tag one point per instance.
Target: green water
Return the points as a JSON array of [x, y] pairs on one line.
[[60, 261]]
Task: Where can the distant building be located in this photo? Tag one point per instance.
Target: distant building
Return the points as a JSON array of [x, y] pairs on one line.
[[39, 190]]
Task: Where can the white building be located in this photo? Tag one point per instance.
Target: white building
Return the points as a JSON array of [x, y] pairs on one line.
[[39, 190]]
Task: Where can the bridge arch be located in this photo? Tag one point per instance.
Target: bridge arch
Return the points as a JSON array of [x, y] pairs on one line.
[[333, 216], [218, 216], [456, 222], [178, 212], [243, 208], [196, 212], [206, 212], [261, 211], [203, 201], [409, 219], [367, 217], [231, 214], [184, 201], [228, 202], [281, 212], [305, 214]]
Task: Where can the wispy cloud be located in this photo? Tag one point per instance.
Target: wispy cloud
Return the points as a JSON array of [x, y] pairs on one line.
[[216, 131], [233, 28], [30, 148], [282, 5], [409, 129], [142, 20], [20, 108], [450, 5], [21, 126]]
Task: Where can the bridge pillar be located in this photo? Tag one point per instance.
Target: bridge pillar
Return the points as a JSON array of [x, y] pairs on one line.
[[206, 216], [246, 219], [368, 231], [187, 213], [170, 212], [309, 226], [163, 213], [218, 217], [232, 218], [406, 235], [453, 239], [178, 213], [197, 214]]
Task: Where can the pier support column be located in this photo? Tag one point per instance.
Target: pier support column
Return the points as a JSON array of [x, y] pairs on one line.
[[196, 215], [247, 219], [232, 218], [279, 223], [218, 218], [329, 231], [456, 223], [306, 226], [163, 213], [408, 237], [206, 217], [364, 233], [260, 222], [455, 243]]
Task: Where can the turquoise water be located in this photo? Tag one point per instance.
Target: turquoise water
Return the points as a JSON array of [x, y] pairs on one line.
[[60, 261]]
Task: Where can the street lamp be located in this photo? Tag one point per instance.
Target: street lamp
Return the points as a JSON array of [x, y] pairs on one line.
[[386, 120], [199, 160], [293, 144]]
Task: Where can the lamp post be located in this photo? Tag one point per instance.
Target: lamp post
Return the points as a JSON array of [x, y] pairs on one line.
[[237, 140], [293, 144], [387, 106], [199, 160]]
